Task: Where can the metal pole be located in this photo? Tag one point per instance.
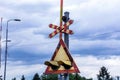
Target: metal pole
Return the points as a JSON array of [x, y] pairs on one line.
[[0, 42], [6, 51], [6, 46], [66, 39], [66, 36]]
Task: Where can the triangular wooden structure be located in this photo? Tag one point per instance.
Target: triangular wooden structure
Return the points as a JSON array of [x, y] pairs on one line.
[[62, 54]]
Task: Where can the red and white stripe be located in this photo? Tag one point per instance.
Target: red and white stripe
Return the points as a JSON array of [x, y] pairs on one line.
[[54, 33], [53, 26], [67, 31], [62, 29], [68, 24]]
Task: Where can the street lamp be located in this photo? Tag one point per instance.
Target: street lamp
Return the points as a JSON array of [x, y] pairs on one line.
[[6, 47]]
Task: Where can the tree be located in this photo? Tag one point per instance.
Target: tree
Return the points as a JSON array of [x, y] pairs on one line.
[[77, 77], [23, 78], [104, 74], [71, 77], [0, 77], [36, 77], [50, 77], [14, 79]]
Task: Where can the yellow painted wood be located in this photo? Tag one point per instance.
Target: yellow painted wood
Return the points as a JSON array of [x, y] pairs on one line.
[[61, 55]]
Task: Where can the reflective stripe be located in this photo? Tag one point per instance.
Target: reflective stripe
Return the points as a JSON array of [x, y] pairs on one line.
[[61, 28], [67, 31]]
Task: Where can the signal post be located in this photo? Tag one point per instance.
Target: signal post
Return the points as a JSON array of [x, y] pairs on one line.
[[62, 62]]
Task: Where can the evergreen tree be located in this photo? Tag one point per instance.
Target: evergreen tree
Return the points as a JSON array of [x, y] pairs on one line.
[[14, 79], [77, 77], [50, 77], [71, 77], [36, 77], [0, 77], [23, 78], [103, 74]]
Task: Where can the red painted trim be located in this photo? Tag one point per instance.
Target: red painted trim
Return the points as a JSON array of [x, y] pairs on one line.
[[61, 42], [55, 26], [70, 22]]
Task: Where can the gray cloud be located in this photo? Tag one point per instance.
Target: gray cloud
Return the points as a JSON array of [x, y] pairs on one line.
[[96, 28], [88, 65]]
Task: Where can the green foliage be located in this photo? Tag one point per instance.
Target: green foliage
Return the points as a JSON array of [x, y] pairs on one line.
[[71, 77], [55, 77], [36, 77], [14, 79], [23, 78], [104, 74], [77, 77], [49, 77], [0, 77]]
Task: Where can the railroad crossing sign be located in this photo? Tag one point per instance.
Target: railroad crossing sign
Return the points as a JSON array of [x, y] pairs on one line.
[[62, 61], [61, 29]]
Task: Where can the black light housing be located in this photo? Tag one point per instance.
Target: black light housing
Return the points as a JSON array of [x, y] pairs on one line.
[[65, 18]]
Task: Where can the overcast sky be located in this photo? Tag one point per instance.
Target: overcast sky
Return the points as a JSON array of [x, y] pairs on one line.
[[95, 42]]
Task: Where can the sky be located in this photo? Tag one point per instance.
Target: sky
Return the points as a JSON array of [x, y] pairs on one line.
[[95, 42]]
